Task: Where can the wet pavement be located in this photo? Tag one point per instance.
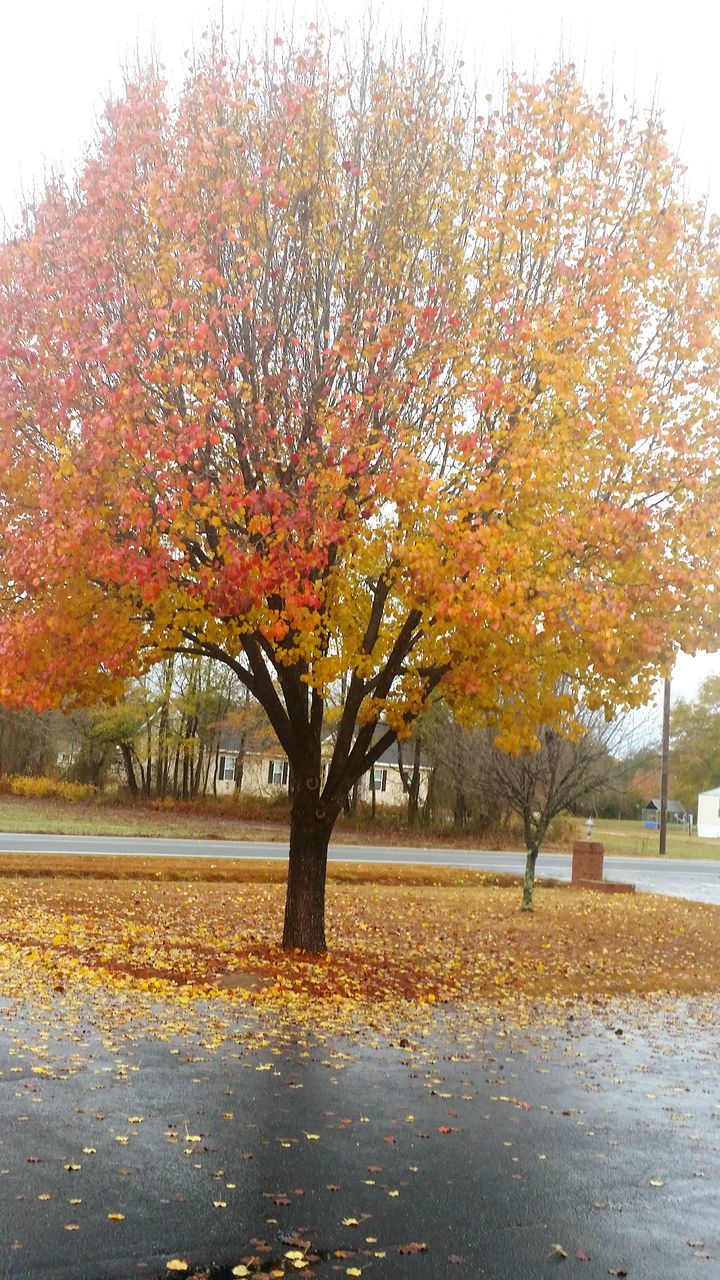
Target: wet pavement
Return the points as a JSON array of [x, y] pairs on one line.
[[401, 1156]]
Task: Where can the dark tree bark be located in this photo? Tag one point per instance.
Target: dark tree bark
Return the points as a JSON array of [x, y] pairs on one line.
[[411, 781], [311, 824], [126, 752], [529, 878]]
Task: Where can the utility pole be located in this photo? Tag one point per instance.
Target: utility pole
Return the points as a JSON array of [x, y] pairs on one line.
[[664, 768]]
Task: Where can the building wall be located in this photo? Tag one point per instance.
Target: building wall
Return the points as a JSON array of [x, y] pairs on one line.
[[392, 794], [708, 816], [256, 780]]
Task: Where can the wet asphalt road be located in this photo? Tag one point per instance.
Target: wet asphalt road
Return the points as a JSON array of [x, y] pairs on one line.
[[696, 879], [605, 1144]]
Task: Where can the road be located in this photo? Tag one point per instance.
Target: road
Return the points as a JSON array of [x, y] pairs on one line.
[[697, 880]]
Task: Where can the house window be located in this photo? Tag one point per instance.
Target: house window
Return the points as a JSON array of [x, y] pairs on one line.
[[380, 779], [226, 769], [278, 771]]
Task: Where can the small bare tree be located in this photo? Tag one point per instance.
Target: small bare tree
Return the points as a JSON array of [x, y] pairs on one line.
[[559, 776]]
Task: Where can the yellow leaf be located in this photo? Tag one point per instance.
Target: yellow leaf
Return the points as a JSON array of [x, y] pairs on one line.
[[71, 1226], [177, 1264], [353, 1271], [116, 1217], [88, 1151], [312, 1137], [240, 1270], [219, 1204]]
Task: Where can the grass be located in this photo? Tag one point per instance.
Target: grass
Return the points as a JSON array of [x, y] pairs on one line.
[[58, 817], [237, 871], [399, 934], [634, 839]]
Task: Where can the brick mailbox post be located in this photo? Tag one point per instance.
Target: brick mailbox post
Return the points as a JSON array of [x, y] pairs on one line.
[[587, 869]]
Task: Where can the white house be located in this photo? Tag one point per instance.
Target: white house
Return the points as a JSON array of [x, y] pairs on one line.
[[267, 774], [708, 814]]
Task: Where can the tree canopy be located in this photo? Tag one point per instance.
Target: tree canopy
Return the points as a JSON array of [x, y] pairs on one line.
[[328, 370], [695, 744]]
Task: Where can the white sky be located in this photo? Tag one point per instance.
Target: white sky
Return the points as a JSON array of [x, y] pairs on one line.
[[58, 59]]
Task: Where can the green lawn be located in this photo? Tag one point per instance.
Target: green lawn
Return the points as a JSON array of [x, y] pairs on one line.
[[62, 817], [634, 838], [58, 817]]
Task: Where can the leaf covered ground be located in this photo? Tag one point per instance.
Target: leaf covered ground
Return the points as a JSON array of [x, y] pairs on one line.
[[400, 943]]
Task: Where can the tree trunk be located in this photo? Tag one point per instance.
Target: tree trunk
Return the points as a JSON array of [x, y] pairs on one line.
[[240, 763], [414, 791], [460, 810], [428, 812], [310, 829], [529, 880], [129, 770]]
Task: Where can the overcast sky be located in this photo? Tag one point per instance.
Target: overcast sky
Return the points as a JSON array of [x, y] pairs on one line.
[[59, 59]]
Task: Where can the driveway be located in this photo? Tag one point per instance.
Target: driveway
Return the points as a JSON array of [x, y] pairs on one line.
[[390, 1156]]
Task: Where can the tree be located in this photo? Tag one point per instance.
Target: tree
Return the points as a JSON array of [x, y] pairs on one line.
[[321, 371], [695, 744], [557, 777]]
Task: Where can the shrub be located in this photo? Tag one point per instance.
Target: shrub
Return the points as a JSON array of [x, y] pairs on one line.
[[51, 788]]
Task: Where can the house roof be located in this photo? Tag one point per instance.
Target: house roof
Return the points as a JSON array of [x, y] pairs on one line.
[[714, 791], [390, 757], [672, 806]]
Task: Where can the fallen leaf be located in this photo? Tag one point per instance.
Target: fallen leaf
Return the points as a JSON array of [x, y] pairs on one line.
[[177, 1264], [240, 1270], [116, 1217], [617, 1271], [583, 1256], [415, 1246], [656, 1182], [557, 1251]]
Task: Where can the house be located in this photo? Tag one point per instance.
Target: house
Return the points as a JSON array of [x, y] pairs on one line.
[[708, 814], [387, 780], [268, 774], [263, 773], [674, 813]]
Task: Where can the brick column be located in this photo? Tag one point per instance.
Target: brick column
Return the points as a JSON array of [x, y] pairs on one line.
[[587, 862]]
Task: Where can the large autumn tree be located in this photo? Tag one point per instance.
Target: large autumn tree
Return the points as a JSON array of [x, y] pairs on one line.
[[327, 372]]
